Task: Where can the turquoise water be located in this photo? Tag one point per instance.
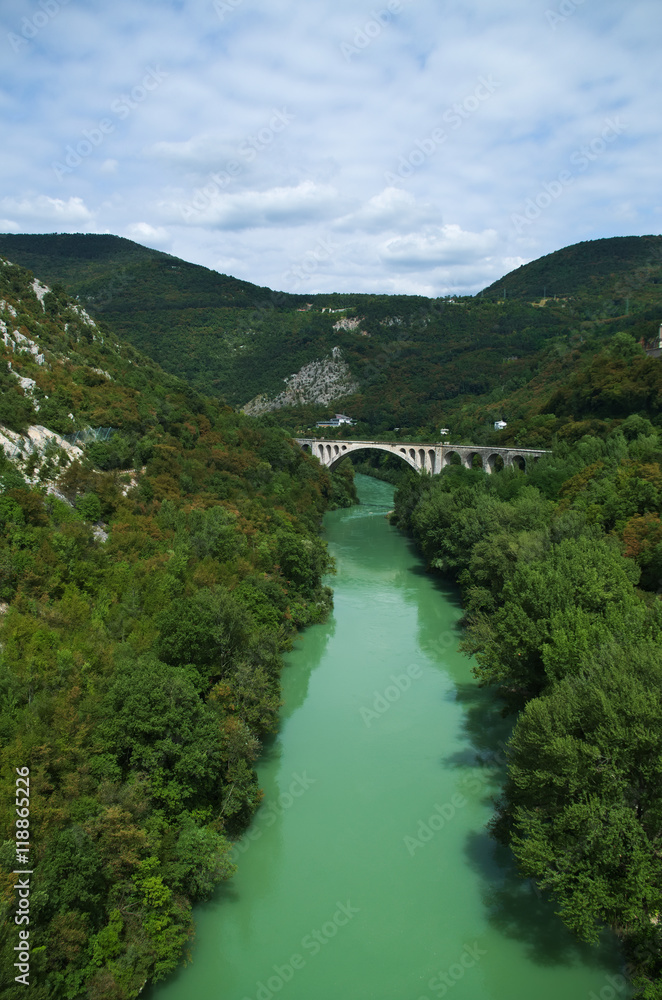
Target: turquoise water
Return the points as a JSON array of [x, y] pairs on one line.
[[368, 872]]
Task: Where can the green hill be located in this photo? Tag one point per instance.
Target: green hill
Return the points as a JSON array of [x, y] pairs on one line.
[[618, 266], [104, 268], [419, 363]]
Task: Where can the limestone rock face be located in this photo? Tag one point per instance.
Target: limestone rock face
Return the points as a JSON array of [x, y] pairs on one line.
[[35, 439], [319, 382]]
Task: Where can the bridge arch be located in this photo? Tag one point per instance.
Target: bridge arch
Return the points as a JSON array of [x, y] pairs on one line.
[[407, 455]]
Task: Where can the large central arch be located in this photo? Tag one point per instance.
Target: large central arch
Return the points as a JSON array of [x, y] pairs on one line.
[[330, 453], [402, 454]]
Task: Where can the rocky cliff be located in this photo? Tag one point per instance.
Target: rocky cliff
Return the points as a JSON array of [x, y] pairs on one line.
[[318, 382]]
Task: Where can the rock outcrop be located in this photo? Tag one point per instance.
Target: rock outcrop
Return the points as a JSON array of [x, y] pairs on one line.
[[319, 382]]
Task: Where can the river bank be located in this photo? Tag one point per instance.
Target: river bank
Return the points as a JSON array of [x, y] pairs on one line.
[[368, 871]]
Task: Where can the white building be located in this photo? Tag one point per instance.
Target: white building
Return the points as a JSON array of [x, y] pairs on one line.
[[337, 421], [499, 425]]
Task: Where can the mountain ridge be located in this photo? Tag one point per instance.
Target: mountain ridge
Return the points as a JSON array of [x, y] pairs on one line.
[[415, 363]]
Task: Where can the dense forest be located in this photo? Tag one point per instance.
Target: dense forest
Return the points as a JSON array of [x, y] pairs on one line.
[[561, 571], [584, 269], [148, 585], [420, 363], [159, 552]]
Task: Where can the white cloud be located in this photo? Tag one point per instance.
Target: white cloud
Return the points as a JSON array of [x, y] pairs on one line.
[[447, 219], [48, 209], [448, 245], [143, 232], [391, 209], [296, 206]]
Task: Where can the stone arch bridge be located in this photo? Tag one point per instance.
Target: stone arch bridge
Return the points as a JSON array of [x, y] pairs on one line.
[[431, 458]]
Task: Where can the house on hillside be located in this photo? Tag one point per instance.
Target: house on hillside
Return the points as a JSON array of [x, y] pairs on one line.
[[336, 421], [499, 425], [656, 350]]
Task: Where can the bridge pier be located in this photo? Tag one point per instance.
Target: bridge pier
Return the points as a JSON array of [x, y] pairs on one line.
[[430, 458]]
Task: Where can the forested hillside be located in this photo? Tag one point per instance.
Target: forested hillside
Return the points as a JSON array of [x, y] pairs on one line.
[[561, 572], [420, 363], [148, 585], [151, 578], [593, 267]]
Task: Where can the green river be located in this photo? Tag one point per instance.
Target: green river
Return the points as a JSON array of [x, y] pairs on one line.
[[368, 873]]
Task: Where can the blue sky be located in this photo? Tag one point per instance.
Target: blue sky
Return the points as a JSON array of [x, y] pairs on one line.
[[406, 146]]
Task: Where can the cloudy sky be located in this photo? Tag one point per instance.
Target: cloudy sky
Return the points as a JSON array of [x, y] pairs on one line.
[[406, 146]]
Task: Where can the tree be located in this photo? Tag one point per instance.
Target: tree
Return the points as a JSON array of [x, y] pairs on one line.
[[154, 723], [584, 794], [513, 645]]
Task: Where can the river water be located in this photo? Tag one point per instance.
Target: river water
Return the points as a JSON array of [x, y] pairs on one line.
[[368, 873]]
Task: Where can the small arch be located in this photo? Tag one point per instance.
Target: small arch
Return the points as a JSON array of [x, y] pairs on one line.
[[519, 462], [421, 458], [344, 447], [450, 458], [412, 454], [432, 459], [494, 463], [336, 449], [475, 460], [306, 448]]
